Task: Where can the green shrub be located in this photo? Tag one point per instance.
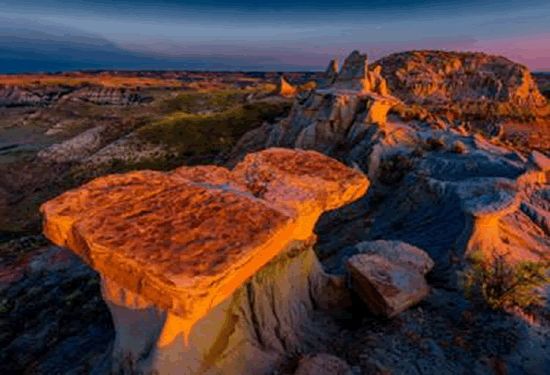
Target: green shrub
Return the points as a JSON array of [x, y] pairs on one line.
[[201, 101], [502, 285]]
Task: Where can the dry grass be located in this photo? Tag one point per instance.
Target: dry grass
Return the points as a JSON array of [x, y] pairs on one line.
[[81, 79], [503, 285]]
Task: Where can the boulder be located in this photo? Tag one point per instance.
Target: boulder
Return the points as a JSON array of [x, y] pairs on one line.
[[182, 254], [398, 252], [389, 276], [323, 364]]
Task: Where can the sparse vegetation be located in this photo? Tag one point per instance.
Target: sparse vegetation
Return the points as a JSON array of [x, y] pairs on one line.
[[204, 101], [503, 285], [189, 135], [410, 112], [393, 168], [435, 143], [458, 147]]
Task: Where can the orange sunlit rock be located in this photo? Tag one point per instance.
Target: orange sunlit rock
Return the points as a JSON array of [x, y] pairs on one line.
[[284, 88], [186, 240]]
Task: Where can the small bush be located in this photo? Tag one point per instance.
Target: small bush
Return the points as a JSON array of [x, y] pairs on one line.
[[394, 168], [434, 144], [502, 285]]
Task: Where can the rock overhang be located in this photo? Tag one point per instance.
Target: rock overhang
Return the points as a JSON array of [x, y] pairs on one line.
[[187, 239]]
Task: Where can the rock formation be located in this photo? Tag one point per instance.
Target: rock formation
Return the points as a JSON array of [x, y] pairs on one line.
[[389, 275], [108, 96], [14, 96], [76, 148], [251, 287], [336, 115], [462, 80], [201, 265], [429, 174], [331, 73], [284, 88]]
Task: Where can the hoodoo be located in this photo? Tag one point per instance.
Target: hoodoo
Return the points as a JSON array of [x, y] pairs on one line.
[[193, 247], [284, 88]]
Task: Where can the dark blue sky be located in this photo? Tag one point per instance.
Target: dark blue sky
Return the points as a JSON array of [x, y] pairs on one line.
[[251, 34]]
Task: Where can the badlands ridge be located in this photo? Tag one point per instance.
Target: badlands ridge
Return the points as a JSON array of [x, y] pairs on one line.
[[226, 271]]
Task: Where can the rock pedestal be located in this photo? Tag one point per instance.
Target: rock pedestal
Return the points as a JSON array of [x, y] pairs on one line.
[[204, 266]]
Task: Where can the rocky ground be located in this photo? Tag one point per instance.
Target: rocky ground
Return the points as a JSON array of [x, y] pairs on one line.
[[456, 148]]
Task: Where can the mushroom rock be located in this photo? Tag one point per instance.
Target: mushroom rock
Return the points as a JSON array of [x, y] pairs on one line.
[[206, 269], [505, 218], [284, 88]]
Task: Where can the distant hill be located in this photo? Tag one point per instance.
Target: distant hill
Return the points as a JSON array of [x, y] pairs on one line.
[[28, 48]]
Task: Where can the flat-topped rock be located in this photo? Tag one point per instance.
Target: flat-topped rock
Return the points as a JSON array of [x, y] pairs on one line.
[[186, 240]]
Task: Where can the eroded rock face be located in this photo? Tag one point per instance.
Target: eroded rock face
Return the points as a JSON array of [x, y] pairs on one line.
[[75, 148], [183, 243], [437, 77], [15, 96], [389, 275], [339, 113], [437, 186], [108, 96], [331, 73]]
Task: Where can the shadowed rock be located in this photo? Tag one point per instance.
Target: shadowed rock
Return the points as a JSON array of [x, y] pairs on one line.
[[331, 73], [323, 364], [389, 275]]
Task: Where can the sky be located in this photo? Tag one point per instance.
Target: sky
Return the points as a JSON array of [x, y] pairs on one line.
[[42, 35]]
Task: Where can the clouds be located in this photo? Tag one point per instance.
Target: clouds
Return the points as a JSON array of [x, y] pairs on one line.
[[298, 34]]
